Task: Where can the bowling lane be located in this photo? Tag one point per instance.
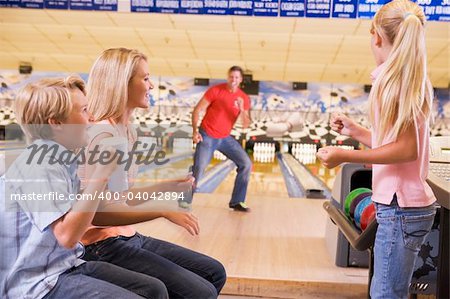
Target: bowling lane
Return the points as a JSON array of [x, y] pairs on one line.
[[324, 174], [170, 171], [265, 178], [10, 145], [306, 154], [175, 170]]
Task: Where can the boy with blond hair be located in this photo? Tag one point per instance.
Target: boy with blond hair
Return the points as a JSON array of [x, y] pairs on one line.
[[39, 233]]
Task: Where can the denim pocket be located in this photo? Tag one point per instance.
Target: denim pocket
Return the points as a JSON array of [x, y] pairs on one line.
[[207, 140], [385, 213], [416, 227], [90, 254], [100, 248]]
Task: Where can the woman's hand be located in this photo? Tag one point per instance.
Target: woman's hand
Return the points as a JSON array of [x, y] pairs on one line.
[[186, 220]]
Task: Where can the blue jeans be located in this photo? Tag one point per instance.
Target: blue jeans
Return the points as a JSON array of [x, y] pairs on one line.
[[233, 151], [105, 281], [400, 234], [185, 273]]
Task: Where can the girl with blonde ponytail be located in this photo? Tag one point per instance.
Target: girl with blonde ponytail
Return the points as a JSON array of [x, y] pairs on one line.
[[400, 108]]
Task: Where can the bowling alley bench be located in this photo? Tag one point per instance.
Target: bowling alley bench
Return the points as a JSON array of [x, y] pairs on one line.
[[352, 225]]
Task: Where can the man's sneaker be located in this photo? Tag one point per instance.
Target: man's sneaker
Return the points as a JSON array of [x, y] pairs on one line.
[[240, 207], [185, 205]]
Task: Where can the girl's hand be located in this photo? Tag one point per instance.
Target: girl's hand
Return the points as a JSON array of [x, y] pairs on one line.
[[342, 124], [330, 156], [186, 220]]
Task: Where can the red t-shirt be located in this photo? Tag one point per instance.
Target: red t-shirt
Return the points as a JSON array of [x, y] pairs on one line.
[[223, 110]]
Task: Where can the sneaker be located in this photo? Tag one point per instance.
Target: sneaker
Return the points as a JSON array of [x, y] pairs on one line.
[[185, 205], [240, 207]]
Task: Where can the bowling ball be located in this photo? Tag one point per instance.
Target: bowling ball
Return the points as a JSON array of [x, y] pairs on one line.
[[351, 196], [367, 216], [356, 201], [360, 208]]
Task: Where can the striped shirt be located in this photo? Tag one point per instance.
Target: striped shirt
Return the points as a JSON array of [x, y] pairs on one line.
[[31, 259]]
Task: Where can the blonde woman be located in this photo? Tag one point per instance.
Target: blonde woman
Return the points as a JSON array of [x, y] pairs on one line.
[[118, 84], [400, 101]]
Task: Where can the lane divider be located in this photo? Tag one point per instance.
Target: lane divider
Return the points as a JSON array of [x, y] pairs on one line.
[[312, 186], [172, 159], [212, 179], [294, 188]]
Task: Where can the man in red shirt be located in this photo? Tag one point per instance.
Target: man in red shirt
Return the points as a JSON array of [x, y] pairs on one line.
[[223, 105]]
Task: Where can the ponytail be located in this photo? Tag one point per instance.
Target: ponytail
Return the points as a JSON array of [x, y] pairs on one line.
[[402, 93]]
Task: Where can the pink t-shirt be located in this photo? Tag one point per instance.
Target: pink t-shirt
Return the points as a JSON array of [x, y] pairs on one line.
[[406, 180]]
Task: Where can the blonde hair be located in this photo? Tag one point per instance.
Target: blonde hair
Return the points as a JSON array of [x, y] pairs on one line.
[[402, 92], [49, 98], [107, 86]]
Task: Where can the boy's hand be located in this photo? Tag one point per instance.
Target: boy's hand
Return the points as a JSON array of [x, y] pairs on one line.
[[186, 220], [330, 156]]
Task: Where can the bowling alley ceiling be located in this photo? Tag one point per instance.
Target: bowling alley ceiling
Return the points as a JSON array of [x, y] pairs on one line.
[[284, 49]]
